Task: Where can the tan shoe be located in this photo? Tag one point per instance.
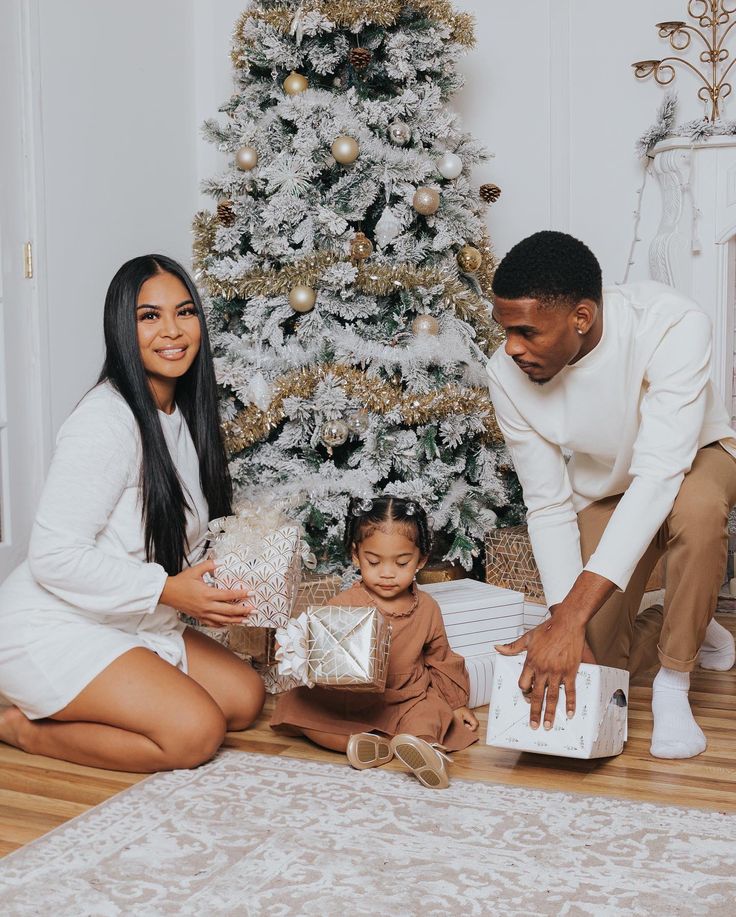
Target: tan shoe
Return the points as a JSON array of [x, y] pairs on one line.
[[425, 761], [368, 750]]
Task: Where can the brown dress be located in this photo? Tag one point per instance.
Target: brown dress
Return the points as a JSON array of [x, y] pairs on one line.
[[426, 682]]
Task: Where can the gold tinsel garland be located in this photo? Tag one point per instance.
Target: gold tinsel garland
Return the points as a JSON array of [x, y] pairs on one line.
[[349, 13], [251, 425], [372, 279]]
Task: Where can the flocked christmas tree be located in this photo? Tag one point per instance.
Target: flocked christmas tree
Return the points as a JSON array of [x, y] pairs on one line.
[[347, 269]]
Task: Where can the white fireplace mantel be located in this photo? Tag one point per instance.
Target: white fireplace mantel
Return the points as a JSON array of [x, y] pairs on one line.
[[694, 249]]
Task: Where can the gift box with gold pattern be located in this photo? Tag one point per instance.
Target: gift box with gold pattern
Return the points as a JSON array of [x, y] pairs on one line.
[[510, 562], [347, 647]]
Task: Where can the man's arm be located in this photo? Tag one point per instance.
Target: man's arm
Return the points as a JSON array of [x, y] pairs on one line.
[[540, 467]]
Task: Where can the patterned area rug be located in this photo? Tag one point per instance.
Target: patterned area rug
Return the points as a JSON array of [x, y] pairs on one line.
[[258, 835]]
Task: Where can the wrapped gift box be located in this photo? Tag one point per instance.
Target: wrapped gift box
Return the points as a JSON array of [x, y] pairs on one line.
[[477, 615], [480, 674], [598, 729], [510, 562], [347, 647], [271, 573]]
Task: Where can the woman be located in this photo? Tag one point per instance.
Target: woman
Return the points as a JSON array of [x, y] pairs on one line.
[[92, 652]]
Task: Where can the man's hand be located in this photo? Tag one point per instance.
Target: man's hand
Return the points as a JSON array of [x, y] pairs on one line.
[[464, 716], [554, 651], [555, 648]]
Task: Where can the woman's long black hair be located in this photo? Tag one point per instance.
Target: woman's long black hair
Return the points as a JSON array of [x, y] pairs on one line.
[[164, 503]]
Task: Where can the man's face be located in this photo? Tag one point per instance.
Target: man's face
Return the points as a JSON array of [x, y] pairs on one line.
[[541, 341]]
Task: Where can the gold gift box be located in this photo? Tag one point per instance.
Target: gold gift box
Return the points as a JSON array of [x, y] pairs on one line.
[[510, 562], [348, 647]]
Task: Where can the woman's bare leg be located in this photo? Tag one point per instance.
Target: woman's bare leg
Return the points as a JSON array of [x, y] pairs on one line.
[[233, 685], [139, 714]]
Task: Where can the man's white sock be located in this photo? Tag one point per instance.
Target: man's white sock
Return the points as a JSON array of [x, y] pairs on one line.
[[718, 651], [675, 733]]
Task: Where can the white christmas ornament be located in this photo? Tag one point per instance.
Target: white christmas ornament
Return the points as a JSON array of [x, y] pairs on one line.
[[259, 391], [387, 228], [449, 165]]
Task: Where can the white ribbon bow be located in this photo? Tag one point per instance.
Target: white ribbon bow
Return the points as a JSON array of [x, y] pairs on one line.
[[291, 652]]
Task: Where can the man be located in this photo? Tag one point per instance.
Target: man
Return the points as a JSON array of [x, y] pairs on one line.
[[618, 382]]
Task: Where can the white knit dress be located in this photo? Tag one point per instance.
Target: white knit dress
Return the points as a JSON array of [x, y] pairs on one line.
[[86, 594]]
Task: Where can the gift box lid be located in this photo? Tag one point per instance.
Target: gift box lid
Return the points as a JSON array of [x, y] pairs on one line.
[[470, 592]]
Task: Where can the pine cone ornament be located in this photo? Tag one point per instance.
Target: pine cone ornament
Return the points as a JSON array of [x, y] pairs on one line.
[[490, 193], [225, 213], [359, 58]]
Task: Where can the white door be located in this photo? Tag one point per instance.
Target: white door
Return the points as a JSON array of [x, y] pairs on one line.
[[23, 426]]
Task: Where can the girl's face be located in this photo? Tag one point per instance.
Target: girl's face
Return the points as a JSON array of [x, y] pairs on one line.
[[388, 561], [168, 330]]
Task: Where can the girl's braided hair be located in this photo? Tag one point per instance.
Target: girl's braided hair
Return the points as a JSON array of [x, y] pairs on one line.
[[367, 515]]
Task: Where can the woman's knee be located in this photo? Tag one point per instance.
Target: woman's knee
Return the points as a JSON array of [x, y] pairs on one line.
[[194, 738], [249, 704]]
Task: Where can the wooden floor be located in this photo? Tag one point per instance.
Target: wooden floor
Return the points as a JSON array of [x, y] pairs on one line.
[[37, 794]]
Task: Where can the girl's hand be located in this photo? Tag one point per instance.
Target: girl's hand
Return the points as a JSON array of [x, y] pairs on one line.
[[211, 606], [463, 716]]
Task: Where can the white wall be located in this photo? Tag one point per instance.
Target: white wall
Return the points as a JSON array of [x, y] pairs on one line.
[[119, 173], [551, 90]]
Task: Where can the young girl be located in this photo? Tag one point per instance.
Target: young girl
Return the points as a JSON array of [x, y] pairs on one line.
[[424, 704], [92, 652]]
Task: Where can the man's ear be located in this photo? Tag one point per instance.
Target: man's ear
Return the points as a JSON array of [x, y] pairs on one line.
[[584, 315]]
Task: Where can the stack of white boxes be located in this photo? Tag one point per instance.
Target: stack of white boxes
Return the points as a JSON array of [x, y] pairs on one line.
[[477, 616], [534, 614]]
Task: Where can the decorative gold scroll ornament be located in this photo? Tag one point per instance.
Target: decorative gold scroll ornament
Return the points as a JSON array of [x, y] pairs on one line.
[[351, 14], [715, 20], [371, 279], [251, 425]]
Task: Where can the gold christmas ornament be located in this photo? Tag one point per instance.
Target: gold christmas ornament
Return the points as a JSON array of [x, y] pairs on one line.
[[225, 213], [345, 149], [334, 433], [302, 298], [425, 324], [449, 165], [361, 247], [246, 158], [399, 133], [426, 201], [490, 193], [359, 58], [469, 259], [295, 83], [251, 425], [358, 422]]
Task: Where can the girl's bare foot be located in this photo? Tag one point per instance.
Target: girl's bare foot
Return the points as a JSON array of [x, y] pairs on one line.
[[12, 725]]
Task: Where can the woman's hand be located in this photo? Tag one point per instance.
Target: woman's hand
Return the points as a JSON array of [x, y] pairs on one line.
[[213, 607], [464, 716]]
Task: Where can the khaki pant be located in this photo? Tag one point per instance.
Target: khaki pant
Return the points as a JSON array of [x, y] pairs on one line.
[[695, 537]]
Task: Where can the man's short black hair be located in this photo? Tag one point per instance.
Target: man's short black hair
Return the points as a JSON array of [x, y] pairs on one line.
[[552, 267]]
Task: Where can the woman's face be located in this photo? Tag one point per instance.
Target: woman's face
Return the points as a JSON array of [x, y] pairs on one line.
[[168, 330]]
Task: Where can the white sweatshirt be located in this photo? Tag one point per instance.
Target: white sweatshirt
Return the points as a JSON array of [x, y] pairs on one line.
[[633, 413]]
